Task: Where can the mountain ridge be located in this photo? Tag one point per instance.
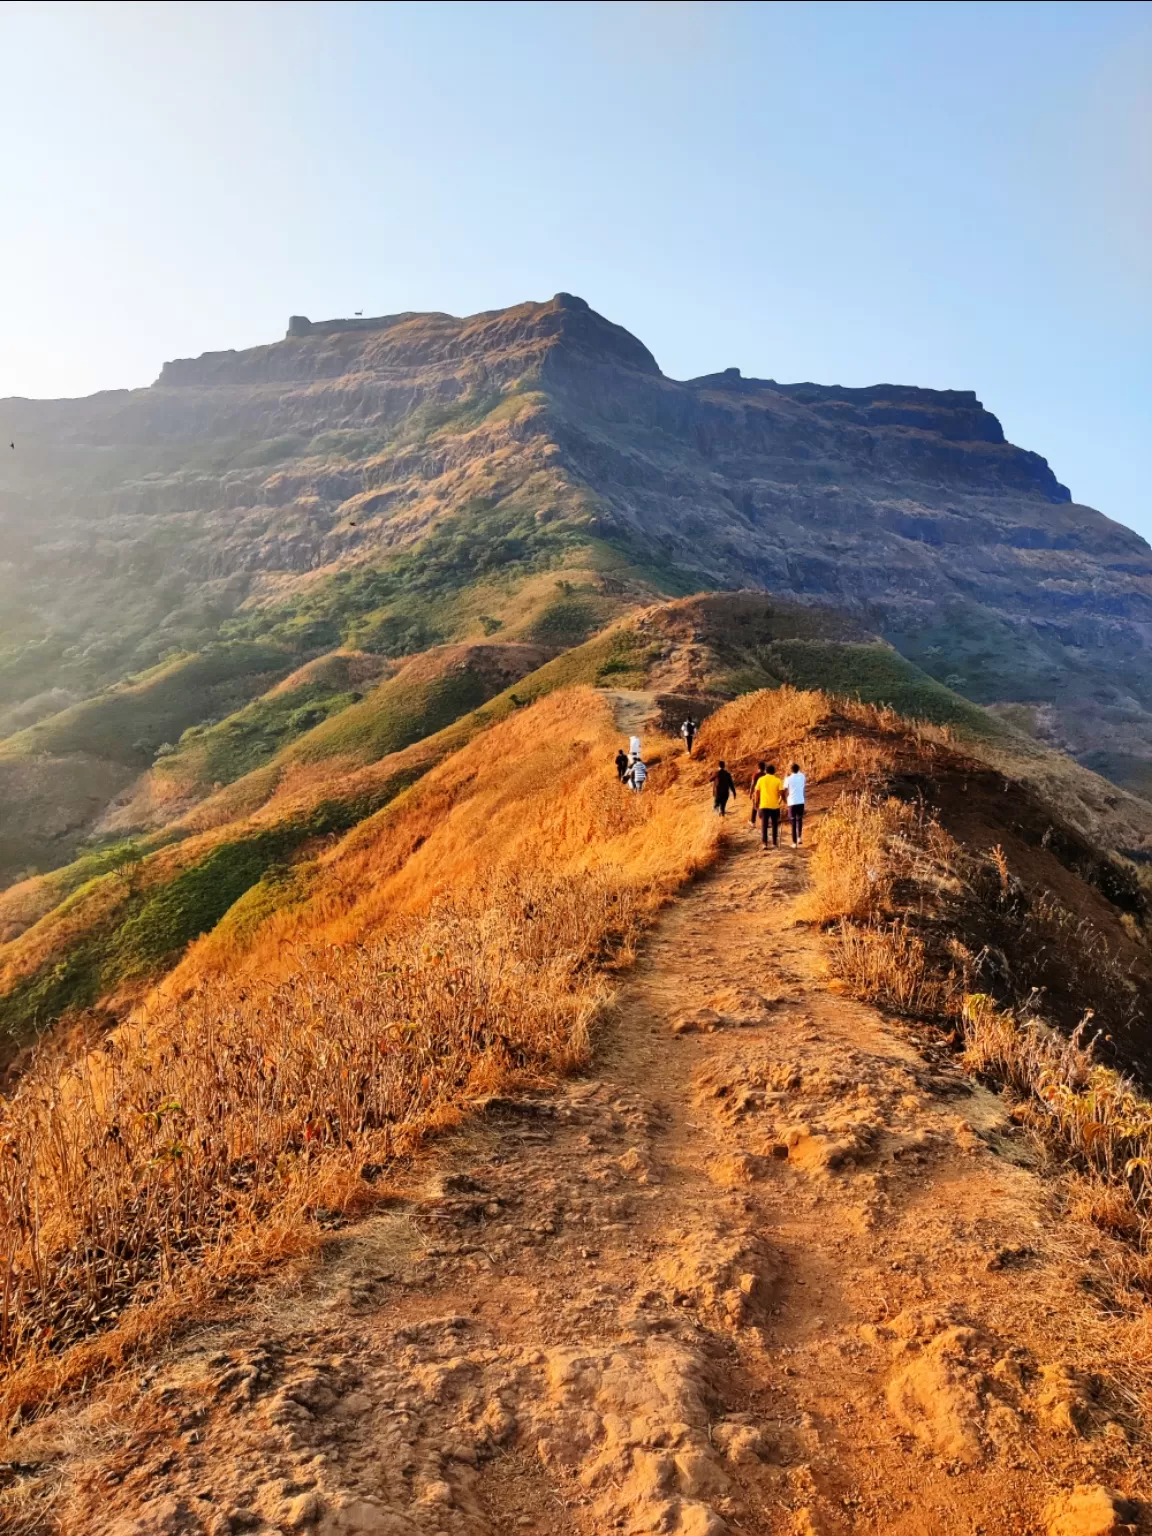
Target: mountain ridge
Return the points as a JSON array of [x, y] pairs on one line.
[[422, 479]]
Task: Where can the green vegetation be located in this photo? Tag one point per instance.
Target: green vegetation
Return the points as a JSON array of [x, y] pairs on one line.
[[1124, 768], [128, 724], [139, 930], [396, 714], [875, 674], [570, 618], [391, 609], [218, 754], [969, 648]]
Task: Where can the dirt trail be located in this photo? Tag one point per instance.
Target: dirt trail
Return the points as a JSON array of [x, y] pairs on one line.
[[634, 708], [772, 1269]]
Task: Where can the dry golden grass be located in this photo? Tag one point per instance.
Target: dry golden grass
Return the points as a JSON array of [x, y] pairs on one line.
[[888, 963], [536, 790], [867, 844], [225, 1126], [1095, 1113], [868, 847], [833, 736]]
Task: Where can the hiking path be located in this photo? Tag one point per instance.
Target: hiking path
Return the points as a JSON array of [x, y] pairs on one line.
[[774, 1265]]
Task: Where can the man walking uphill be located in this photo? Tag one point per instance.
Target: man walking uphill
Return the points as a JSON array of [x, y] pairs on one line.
[[794, 788], [688, 731], [766, 796], [621, 764], [723, 788]]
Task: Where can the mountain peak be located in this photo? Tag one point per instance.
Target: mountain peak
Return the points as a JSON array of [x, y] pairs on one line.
[[502, 340]]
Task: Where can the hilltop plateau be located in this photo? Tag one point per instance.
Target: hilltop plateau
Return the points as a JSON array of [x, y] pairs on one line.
[[386, 485]]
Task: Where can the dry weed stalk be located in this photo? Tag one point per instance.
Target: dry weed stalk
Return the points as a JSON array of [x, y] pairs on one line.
[[889, 963], [867, 844], [1092, 1111]]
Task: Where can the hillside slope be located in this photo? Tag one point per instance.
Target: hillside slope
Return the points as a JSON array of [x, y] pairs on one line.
[[393, 483], [196, 858], [769, 1262]]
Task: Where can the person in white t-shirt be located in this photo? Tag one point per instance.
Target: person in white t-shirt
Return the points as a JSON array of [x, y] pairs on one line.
[[794, 786]]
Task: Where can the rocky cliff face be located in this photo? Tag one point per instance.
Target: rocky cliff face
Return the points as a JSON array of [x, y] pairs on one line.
[[137, 521]]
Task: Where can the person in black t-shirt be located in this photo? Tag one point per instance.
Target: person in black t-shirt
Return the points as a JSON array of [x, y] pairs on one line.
[[723, 789]]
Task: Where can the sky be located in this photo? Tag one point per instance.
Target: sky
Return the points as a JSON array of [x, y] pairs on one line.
[[950, 195]]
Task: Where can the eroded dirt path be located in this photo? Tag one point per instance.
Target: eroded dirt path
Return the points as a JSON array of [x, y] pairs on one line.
[[772, 1269]]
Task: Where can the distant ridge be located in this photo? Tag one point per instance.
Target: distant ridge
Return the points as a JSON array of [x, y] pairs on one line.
[[390, 482]]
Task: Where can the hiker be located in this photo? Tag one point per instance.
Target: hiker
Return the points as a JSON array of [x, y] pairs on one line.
[[766, 793], [637, 774], [794, 787], [633, 747], [761, 770], [723, 788], [688, 731], [621, 764]]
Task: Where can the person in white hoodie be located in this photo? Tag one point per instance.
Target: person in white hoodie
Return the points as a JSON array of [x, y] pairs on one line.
[[794, 788]]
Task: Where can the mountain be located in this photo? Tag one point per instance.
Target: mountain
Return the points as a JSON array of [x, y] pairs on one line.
[[384, 485], [407, 1127]]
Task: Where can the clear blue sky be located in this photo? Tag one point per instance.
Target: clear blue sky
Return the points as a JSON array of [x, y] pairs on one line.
[[955, 195]]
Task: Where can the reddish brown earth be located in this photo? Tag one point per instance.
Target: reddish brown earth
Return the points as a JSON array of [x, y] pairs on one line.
[[774, 1266]]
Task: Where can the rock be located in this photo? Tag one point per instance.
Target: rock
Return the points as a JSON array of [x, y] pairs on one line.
[[742, 1444], [355, 1404], [693, 1519], [1089, 1510], [299, 1512], [431, 1329], [729, 1276], [741, 1168], [937, 1397], [361, 1517], [698, 1476], [699, 1021], [438, 1492], [1060, 1403], [637, 1164], [312, 1392], [809, 1523]]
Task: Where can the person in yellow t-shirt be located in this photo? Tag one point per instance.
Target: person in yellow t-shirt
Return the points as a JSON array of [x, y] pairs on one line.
[[767, 797]]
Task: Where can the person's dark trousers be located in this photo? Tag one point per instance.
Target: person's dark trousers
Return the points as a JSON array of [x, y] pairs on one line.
[[769, 819], [689, 739], [797, 813], [720, 806]]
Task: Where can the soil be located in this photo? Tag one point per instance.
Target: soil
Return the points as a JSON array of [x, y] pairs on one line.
[[774, 1266]]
